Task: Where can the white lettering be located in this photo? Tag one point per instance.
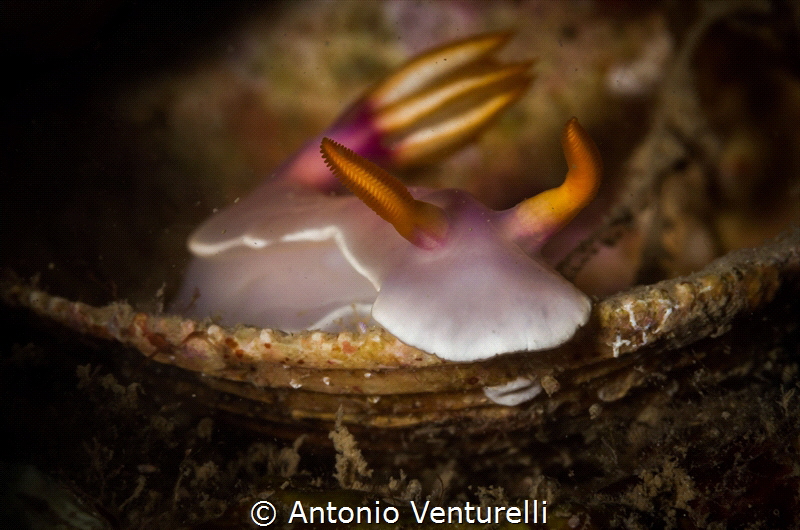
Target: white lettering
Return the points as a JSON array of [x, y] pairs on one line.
[[365, 509], [298, 507], [331, 508], [417, 515], [386, 517], [467, 513], [450, 511], [342, 519], [467, 508], [321, 514]]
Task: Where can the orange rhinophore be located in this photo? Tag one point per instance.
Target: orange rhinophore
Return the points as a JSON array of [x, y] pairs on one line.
[[533, 221], [422, 223]]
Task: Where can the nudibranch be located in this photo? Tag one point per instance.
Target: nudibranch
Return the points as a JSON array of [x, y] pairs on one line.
[[445, 274]]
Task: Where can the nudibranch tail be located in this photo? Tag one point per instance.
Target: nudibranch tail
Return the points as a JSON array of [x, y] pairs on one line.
[[423, 224], [534, 220]]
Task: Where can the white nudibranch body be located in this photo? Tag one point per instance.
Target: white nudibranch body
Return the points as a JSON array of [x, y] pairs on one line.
[[312, 261], [435, 268]]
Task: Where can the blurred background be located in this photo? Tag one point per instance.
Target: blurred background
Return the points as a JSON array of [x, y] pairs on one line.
[[125, 124]]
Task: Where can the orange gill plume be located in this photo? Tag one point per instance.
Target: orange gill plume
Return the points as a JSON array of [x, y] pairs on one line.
[[443, 99]]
